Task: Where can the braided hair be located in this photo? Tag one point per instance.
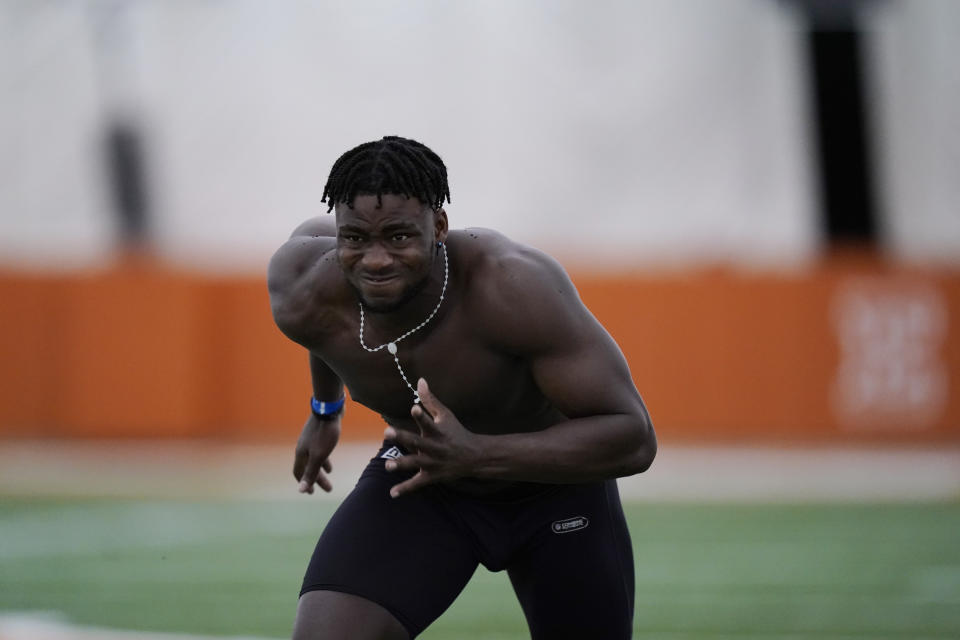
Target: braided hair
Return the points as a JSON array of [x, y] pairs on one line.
[[391, 165]]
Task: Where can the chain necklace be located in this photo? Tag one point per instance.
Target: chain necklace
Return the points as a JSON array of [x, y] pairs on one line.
[[392, 345]]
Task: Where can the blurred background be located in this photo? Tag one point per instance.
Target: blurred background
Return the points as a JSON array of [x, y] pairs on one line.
[[758, 198]]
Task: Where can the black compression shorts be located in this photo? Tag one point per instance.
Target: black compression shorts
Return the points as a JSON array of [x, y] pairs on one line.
[[565, 547]]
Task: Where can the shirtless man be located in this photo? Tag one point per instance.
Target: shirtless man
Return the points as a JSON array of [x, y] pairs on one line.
[[510, 413]]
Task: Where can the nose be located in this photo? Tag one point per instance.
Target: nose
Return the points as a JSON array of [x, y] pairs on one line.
[[376, 258]]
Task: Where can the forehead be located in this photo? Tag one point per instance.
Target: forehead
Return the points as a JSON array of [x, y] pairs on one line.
[[367, 211]]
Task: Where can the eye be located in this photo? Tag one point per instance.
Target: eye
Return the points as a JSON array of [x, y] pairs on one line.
[[351, 238], [401, 237]]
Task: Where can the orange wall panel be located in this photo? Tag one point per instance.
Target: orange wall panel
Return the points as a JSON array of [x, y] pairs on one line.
[[131, 354], [846, 351], [32, 340]]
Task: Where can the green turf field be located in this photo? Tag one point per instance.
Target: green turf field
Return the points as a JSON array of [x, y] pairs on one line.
[[717, 571]]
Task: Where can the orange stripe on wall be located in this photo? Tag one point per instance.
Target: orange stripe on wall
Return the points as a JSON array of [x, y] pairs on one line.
[[146, 350]]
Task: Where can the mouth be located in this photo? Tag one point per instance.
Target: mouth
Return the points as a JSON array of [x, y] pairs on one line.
[[378, 281], [379, 285], [379, 293]]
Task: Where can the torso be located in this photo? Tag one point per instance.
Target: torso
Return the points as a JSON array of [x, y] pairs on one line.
[[489, 389]]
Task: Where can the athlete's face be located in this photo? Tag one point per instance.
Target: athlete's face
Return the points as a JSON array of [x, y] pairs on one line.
[[386, 251]]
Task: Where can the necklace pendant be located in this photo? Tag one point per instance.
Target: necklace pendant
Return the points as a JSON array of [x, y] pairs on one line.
[[392, 348]]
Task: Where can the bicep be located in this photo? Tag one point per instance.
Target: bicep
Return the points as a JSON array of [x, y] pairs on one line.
[[583, 372], [574, 361]]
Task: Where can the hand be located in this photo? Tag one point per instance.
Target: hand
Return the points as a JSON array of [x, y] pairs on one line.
[[311, 461], [444, 450]]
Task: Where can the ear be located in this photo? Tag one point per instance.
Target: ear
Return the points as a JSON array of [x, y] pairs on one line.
[[440, 227]]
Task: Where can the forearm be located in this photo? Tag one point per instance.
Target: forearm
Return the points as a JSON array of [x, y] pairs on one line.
[[320, 434], [581, 450], [327, 385]]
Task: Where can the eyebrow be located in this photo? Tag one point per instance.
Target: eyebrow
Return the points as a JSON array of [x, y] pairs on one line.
[[399, 226]]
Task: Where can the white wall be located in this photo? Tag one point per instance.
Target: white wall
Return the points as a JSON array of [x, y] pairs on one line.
[[52, 206], [617, 132], [917, 87]]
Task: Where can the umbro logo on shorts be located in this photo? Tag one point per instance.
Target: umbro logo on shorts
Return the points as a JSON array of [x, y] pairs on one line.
[[391, 454], [570, 524]]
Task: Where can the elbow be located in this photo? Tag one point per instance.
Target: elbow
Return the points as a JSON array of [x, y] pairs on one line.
[[282, 316], [645, 456], [643, 451]]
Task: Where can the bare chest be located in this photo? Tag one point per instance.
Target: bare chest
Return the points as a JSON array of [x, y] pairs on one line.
[[487, 390]]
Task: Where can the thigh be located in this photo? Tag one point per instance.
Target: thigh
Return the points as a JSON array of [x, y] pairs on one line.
[[405, 555], [574, 579], [332, 615]]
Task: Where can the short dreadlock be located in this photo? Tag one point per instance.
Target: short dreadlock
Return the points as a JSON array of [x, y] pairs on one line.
[[391, 165]]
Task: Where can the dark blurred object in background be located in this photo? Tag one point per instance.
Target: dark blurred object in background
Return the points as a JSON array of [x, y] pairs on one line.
[[124, 152], [842, 119]]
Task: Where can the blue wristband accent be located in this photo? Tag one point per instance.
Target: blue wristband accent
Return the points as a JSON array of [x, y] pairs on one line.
[[326, 409]]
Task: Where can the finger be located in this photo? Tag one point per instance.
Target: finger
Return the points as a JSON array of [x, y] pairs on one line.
[[418, 481], [429, 401], [327, 466], [409, 462], [310, 475], [299, 463], [390, 435], [423, 419], [407, 440], [324, 482]]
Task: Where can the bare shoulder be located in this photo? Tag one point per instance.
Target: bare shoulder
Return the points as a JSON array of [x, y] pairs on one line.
[[306, 244], [317, 226], [499, 265], [302, 273], [520, 296]]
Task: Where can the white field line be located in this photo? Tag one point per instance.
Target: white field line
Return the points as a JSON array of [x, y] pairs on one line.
[[172, 469], [50, 627]]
